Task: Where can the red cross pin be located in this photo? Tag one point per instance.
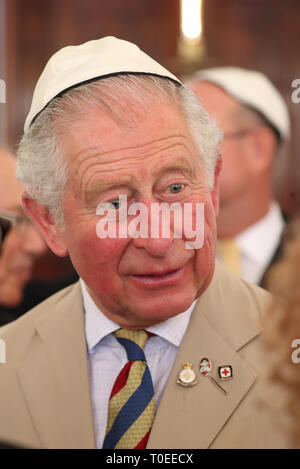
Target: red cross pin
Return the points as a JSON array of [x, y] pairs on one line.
[[225, 372]]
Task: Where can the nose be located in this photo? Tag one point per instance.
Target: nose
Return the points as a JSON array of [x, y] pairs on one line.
[[156, 247], [156, 243], [33, 242]]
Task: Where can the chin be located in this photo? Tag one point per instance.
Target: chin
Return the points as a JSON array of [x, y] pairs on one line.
[[11, 295], [163, 308], [12, 301]]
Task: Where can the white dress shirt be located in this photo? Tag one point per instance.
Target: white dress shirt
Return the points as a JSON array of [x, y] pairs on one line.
[[106, 356], [258, 244]]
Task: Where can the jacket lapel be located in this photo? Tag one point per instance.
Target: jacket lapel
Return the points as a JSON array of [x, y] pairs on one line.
[[192, 417], [54, 374], [56, 358]]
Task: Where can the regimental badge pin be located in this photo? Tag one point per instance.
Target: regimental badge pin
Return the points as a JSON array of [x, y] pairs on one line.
[[205, 368], [225, 372], [187, 376]]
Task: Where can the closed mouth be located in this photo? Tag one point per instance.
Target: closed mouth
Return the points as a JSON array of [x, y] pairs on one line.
[[163, 273], [163, 278]]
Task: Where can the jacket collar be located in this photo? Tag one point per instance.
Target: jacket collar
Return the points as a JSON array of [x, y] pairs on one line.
[[192, 417], [54, 377]]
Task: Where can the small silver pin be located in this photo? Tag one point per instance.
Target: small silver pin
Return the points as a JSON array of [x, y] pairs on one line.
[[205, 369], [187, 376]]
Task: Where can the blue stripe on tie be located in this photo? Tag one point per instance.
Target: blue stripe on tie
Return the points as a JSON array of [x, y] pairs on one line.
[[134, 352], [130, 411]]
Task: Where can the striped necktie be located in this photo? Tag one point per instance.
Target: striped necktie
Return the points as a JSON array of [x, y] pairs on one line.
[[131, 406]]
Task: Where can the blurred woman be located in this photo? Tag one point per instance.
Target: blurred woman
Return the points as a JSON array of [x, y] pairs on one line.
[[283, 329]]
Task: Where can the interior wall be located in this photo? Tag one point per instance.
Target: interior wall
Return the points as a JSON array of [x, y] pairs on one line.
[[262, 35], [3, 107], [41, 28]]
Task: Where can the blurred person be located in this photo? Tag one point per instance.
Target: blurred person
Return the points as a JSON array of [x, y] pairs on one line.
[[149, 348], [282, 331], [255, 122], [22, 244]]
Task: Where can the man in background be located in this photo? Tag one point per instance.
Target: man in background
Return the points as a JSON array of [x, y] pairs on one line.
[[22, 244], [255, 122]]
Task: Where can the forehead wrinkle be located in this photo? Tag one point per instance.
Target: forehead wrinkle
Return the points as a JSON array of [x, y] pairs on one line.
[[141, 147], [86, 160], [117, 181], [81, 160], [133, 160], [127, 179]]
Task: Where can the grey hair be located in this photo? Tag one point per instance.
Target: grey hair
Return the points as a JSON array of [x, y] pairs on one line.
[[41, 166]]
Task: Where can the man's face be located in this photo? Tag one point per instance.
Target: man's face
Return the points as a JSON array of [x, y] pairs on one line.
[[136, 281], [235, 178], [22, 244]]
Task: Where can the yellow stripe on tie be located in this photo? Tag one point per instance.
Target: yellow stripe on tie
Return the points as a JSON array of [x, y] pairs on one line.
[[138, 429], [131, 408], [116, 403], [139, 336]]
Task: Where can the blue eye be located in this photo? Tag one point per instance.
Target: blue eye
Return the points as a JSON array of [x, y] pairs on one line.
[[115, 203], [175, 188]]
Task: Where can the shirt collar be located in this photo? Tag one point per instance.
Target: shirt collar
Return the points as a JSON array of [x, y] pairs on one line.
[[259, 241], [98, 326]]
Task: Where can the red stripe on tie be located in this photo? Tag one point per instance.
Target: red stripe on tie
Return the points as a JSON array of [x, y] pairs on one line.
[[142, 444], [122, 379]]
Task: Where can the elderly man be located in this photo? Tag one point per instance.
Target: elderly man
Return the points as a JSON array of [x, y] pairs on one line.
[[155, 346], [21, 245], [255, 121]]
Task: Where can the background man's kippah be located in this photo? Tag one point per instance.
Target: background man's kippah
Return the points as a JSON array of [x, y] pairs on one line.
[[252, 89]]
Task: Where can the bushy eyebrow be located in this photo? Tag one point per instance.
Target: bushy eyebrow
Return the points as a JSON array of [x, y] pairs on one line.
[[99, 187], [181, 165]]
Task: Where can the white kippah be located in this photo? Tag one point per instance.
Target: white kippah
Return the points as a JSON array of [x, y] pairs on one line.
[[252, 89], [100, 58]]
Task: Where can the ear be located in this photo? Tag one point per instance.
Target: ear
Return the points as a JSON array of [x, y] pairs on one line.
[[215, 191], [45, 223]]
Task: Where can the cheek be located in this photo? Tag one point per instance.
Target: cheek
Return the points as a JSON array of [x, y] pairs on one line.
[[205, 256], [85, 248], [92, 256], [200, 218], [230, 164], [235, 167], [11, 247]]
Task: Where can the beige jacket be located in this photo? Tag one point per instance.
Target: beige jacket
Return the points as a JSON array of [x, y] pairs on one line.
[[44, 385]]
